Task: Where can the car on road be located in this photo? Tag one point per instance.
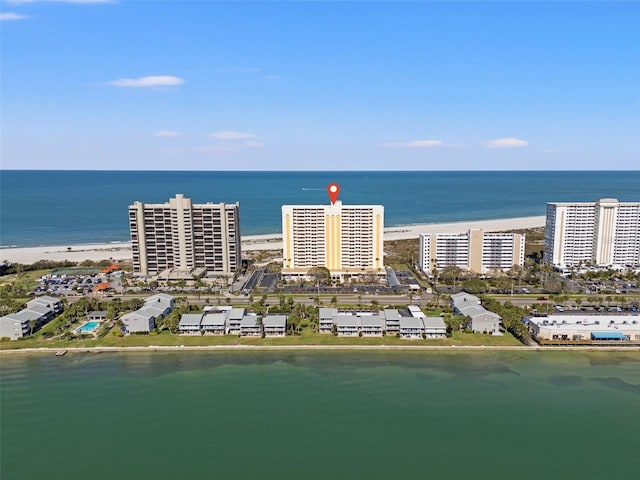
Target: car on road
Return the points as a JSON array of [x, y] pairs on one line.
[[543, 298]]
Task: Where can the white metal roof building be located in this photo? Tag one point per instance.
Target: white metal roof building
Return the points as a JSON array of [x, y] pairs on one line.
[[583, 327]]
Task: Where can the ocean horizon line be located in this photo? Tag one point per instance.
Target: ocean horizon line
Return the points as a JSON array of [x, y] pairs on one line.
[[323, 171]]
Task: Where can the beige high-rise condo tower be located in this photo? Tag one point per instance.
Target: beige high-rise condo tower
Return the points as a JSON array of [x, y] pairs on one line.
[[475, 250], [602, 233], [185, 236], [346, 239]]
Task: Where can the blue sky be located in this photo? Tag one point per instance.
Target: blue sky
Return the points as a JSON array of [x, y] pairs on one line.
[[208, 85]]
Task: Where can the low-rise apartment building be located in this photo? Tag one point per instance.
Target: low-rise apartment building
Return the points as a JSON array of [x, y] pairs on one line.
[[482, 320], [39, 311], [274, 325], [250, 326], [144, 319]]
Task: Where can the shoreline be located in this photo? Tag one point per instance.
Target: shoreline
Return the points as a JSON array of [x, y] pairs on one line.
[[232, 348], [122, 251]]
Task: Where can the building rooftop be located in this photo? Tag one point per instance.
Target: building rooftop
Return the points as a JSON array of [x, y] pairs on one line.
[[346, 320], [190, 319], [588, 323], [39, 309], [464, 298], [47, 299], [372, 321], [236, 313], [274, 321], [213, 319], [249, 321], [326, 312], [391, 314], [434, 322], [410, 322]]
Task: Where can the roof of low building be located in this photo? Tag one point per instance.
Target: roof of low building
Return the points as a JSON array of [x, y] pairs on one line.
[[327, 312], [249, 321], [213, 319], [410, 322], [190, 319], [372, 321], [23, 316], [236, 313], [434, 322], [274, 321], [40, 309], [391, 314], [346, 320], [47, 299], [464, 297]]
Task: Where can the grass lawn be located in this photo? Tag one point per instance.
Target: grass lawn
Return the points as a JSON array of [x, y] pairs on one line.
[[306, 338], [27, 280]]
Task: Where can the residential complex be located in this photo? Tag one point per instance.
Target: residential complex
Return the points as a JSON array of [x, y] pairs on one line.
[[144, 319], [409, 323], [346, 239], [183, 235], [38, 312], [475, 250], [232, 321], [602, 233], [481, 319]]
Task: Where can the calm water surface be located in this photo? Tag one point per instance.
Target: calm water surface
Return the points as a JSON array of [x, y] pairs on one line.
[[74, 207], [321, 415]]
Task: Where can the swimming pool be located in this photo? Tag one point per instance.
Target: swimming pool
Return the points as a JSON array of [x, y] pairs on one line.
[[88, 327]]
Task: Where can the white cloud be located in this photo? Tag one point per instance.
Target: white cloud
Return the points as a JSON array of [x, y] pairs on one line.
[[167, 134], [507, 143], [415, 144], [152, 81], [232, 135], [9, 16]]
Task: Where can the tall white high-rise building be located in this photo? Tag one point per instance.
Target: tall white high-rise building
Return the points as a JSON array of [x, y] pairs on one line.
[[183, 235], [604, 233], [475, 250], [346, 239]]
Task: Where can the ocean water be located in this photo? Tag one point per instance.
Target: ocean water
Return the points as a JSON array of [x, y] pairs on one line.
[[319, 415], [73, 207]]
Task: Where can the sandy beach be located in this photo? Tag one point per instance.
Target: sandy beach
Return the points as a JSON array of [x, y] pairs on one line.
[[122, 251]]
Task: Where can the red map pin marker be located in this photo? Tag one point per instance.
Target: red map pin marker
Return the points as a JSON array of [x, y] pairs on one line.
[[333, 190]]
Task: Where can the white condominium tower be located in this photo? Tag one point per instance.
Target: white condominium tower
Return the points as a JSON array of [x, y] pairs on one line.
[[604, 233], [474, 250], [184, 235], [346, 239]]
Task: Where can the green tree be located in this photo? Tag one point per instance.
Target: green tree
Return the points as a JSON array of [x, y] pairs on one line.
[[451, 274], [320, 275], [474, 285]]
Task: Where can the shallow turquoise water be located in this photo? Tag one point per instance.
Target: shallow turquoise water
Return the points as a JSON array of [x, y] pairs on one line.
[[321, 415]]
